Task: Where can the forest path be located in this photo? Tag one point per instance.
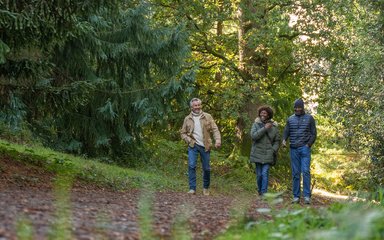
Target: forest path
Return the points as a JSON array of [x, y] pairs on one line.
[[27, 195]]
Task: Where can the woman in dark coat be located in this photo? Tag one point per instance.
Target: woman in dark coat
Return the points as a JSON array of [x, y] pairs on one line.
[[265, 144]]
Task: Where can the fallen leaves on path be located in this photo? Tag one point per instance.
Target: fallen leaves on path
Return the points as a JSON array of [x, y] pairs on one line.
[[28, 198]]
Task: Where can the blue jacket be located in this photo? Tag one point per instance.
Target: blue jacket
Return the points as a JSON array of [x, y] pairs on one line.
[[301, 130]]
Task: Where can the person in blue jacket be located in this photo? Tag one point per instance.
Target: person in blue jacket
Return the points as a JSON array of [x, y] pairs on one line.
[[301, 131]]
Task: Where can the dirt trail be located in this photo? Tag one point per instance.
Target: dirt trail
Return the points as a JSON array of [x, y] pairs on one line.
[[26, 193]]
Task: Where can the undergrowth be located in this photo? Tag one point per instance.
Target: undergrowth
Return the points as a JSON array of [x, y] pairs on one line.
[[358, 220]]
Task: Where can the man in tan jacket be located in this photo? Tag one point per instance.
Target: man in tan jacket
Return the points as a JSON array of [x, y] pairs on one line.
[[197, 129]]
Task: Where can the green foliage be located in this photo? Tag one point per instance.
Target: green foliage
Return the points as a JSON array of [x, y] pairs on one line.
[[359, 66], [380, 196], [89, 81], [24, 229], [4, 49], [61, 227], [228, 91], [331, 162], [168, 158], [21, 135], [12, 115], [145, 215], [339, 221]]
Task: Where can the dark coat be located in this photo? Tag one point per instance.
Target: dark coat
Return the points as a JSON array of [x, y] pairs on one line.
[[301, 130], [265, 142]]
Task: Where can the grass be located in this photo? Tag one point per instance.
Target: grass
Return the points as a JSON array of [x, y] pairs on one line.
[[166, 170], [88, 170]]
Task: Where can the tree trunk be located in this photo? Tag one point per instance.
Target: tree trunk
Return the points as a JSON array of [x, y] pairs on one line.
[[253, 63], [219, 32]]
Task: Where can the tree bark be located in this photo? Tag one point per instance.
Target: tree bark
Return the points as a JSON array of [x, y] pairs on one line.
[[252, 63]]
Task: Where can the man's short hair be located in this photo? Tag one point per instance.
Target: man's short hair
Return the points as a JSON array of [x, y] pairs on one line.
[[268, 109], [194, 100]]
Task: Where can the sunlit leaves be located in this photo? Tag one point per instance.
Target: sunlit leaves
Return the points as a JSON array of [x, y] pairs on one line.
[[353, 95]]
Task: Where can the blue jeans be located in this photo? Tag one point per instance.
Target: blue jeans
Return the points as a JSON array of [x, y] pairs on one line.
[[262, 174], [193, 154], [300, 164]]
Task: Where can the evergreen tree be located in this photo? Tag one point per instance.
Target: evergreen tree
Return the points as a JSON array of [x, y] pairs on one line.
[[93, 79]]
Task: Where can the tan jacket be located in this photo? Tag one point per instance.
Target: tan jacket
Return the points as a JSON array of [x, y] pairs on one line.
[[208, 126]]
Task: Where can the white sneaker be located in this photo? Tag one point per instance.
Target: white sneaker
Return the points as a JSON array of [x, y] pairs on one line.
[[205, 192], [295, 200], [307, 200], [191, 191]]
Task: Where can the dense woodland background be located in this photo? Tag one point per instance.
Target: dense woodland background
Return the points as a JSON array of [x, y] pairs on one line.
[[112, 79]]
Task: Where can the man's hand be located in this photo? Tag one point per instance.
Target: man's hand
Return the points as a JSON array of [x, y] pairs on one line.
[[268, 125], [217, 144], [284, 143]]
